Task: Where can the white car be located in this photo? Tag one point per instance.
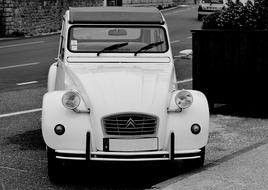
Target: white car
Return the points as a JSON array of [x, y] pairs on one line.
[[113, 96], [207, 7]]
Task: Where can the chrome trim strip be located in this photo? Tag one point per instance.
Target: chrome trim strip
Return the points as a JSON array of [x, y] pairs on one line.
[[140, 156], [187, 158], [70, 158]]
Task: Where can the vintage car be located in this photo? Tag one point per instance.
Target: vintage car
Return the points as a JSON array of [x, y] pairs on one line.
[[207, 7], [113, 95]]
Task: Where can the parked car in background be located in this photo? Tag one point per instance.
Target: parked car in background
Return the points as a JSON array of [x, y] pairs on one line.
[[207, 7], [112, 94]]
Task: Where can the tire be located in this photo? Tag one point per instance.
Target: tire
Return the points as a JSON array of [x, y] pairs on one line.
[[55, 167], [199, 17], [196, 163]]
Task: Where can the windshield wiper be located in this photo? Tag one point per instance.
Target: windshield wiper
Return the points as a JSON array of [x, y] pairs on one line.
[[149, 46], [112, 47]]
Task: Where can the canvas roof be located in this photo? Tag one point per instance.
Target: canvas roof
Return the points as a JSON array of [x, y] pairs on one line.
[[113, 15]]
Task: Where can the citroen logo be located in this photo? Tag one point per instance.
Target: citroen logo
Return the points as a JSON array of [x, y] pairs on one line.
[[130, 123]]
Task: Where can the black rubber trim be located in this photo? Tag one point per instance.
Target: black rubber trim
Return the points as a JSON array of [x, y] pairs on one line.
[[172, 146], [106, 143], [88, 146]]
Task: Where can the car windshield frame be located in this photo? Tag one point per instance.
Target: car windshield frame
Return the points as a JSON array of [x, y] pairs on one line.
[[117, 50]]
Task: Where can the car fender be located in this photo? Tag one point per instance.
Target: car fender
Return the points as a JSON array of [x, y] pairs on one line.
[[76, 124], [180, 122], [52, 77]]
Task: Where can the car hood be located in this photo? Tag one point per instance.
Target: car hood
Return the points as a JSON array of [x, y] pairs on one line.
[[114, 88]]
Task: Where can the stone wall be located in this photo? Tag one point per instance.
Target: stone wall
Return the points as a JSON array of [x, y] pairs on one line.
[[33, 17], [1, 18]]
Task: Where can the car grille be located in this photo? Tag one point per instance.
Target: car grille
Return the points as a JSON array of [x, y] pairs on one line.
[[130, 124]]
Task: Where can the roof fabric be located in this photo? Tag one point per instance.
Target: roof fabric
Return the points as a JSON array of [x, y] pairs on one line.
[[120, 15]]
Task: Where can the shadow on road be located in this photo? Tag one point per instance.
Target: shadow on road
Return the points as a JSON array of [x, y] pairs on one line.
[[29, 140], [120, 175]]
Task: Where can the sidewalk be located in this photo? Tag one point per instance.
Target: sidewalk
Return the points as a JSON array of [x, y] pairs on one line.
[[247, 171]]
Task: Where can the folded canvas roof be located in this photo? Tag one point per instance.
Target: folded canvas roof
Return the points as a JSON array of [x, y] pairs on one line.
[[121, 15]]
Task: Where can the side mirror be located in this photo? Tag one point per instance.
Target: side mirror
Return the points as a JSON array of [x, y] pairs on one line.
[[185, 54]]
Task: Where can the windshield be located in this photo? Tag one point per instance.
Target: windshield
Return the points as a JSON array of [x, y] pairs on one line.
[[95, 39], [213, 1]]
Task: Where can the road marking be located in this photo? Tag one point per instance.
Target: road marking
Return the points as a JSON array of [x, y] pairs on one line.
[[175, 41], [172, 13], [4, 167], [177, 56], [175, 12], [25, 83], [20, 112], [21, 65], [185, 81], [22, 44]]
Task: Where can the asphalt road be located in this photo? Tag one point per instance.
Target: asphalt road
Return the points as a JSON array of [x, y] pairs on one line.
[[26, 60], [24, 65]]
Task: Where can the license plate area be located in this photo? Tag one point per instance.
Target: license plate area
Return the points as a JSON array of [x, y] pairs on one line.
[[130, 145]]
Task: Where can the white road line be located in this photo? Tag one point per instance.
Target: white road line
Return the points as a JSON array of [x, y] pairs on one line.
[[20, 112], [175, 41], [178, 11], [22, 44], [21, 65], [185, 81], [177, 56], [15, 169], [25, 83]]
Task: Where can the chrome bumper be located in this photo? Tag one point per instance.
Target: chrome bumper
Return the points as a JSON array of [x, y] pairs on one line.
[[128, 156]]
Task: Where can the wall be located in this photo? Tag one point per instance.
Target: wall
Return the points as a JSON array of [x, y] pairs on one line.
[[33, 17], [1, 19]]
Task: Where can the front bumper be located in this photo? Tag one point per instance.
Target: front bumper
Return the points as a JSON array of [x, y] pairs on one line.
[[171, 154]]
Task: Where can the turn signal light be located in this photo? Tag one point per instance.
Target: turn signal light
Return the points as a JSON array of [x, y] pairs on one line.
[[195, 129], [59, 129]]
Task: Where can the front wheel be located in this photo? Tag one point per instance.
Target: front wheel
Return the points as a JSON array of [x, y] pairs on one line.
[[55, 167], [196, 163]]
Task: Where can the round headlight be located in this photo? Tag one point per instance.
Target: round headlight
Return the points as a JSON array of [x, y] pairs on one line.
[[71, 100], [184, 99]]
